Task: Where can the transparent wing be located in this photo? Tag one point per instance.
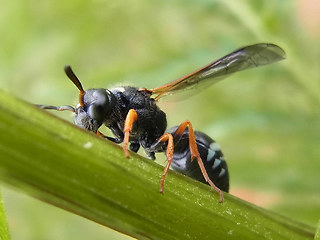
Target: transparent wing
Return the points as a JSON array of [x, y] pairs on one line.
[[244, 58]]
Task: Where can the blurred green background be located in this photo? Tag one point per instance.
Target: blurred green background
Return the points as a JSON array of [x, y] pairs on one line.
[[267, 120]]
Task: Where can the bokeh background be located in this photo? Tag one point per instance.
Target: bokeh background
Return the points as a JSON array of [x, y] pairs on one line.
[[266, 120]]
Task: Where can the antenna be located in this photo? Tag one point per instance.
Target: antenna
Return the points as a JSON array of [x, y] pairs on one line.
[[76, 81], [58, 108]]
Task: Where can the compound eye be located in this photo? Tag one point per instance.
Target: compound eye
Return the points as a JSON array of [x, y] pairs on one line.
[[96, 112], [97, 102]]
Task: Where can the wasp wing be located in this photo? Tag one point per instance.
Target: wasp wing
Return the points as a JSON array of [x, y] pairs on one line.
[[241, 59]]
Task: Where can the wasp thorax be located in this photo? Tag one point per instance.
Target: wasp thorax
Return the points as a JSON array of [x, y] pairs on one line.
[[98, 104]]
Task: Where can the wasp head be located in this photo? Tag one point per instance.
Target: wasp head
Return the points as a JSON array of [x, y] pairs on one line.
[[97, 106], [94, 104]]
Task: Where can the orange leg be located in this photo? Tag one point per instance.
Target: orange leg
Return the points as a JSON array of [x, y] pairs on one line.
[[131, 118], [195, 154], [169, 153], [100, 134]]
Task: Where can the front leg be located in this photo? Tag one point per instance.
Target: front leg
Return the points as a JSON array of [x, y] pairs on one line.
[[117, 133], [118, 138], [131, 118]]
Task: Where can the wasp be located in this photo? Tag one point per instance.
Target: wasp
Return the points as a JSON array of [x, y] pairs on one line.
[[135, 120]]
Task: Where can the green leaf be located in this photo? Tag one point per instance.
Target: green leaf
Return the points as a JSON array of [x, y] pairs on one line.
[[70, 168], [4, 232]]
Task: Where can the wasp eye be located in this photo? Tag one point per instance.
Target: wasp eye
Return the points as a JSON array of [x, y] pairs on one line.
[[96, 112], [98, 105]]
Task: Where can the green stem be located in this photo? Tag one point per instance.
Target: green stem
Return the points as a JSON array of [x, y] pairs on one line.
[[58, 163]]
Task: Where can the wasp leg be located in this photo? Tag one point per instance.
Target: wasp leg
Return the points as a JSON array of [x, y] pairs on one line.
[[151, 155], [115, 140], [167, 137], [134, 147], [101, 134], [112, 139], [131, 118], [195, 153]]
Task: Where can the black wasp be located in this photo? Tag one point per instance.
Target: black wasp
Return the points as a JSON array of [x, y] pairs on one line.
[[133, 116]]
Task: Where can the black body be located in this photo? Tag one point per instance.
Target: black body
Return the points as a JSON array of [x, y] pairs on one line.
[[151, 124], [110, 107]]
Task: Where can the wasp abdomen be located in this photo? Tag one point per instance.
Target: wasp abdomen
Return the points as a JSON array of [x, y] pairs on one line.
[[210, 154]]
